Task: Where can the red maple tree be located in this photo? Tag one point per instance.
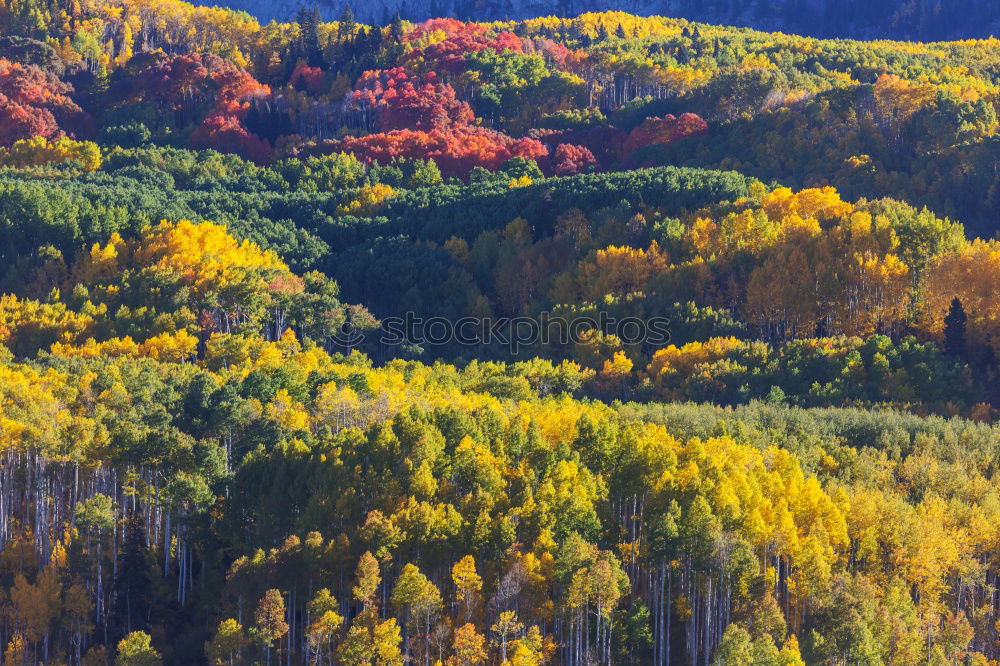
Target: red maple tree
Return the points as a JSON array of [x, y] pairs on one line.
[[404, 102], [456, 150], [448, 55], [665, 130], [569, 159], [36, 103], [209, 92]]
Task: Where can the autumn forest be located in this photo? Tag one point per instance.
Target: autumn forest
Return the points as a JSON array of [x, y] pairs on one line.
[[766, 431]]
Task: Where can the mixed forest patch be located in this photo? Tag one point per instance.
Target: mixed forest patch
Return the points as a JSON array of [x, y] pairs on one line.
[[197, 467]]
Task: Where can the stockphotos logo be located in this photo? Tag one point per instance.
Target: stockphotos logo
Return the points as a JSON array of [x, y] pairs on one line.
[[348, 335], [514, 333]]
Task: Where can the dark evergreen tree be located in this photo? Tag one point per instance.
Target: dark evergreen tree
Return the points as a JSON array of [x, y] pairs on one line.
[[346, 25], [954, 329], [575, 32], [396, 28], [133, 582], [309, 45]]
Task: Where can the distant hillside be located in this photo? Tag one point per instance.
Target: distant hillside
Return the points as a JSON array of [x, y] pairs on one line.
[[921, 20]]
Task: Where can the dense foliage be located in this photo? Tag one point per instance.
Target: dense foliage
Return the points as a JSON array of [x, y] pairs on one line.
[[858, 19], [210, 453]]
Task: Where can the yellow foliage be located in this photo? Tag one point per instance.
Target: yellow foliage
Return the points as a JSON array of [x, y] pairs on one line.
[[621, 270], [39, 151], [204, 257], [170, 347], [746, 231], [897, 99], [287, 412], [114, 348], [757, 61], [817, 202], [23, 321], [683, 360], [972, 275], [369, 200], [617, 368]]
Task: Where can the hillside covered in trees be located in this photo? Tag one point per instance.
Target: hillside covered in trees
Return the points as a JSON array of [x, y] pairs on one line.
[[865, 19], [718, 377]]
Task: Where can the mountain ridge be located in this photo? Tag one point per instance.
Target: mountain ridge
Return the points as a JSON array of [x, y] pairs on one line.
[[917, 20]]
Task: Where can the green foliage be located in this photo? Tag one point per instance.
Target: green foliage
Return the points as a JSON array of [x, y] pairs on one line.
[[197, 463]]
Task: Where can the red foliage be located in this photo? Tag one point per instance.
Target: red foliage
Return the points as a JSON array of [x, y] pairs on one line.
[[608, 145], [506, 41], [665, 130], [312, 78], [556, 55], [189, 82], [35, 103], [569, 159], [402, 102], [461, 38], [605, 142], [184, 81], [227, 134], [237, 89], [173, 82], [456, 150]]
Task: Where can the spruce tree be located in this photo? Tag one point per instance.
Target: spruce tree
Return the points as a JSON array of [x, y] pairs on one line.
[[310, 48], [133, 583], [954, 329], [346, 25], [396, 28]]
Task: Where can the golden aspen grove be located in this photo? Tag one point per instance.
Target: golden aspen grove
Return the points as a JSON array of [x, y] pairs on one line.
[[718, 382]]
